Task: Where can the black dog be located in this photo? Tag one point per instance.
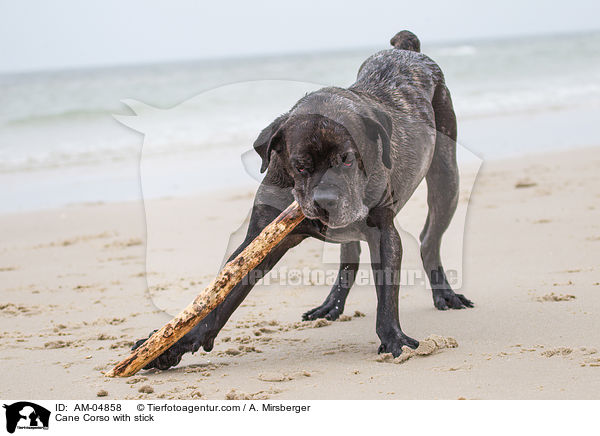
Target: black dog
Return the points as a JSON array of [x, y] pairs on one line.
[[352, 158]]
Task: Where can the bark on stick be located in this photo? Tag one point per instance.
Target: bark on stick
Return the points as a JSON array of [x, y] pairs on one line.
[[231, 274]]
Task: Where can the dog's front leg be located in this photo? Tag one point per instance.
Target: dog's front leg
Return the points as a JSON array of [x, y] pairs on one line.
[[385, 248], [204, 334], [333, 306]]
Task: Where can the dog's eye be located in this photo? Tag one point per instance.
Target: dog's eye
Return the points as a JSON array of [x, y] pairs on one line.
[[348, 159]]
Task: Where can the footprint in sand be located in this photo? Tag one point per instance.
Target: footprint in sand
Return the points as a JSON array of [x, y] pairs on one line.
[[282, 377], [555, 297], [234, 394], [589, 355]]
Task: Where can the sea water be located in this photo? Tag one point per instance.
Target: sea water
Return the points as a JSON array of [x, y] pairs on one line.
[[72, 137]]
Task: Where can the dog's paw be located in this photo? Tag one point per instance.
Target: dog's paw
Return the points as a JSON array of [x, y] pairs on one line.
[[166, 360], [329, 311], [199, 337], [394, 343], [447, 299]]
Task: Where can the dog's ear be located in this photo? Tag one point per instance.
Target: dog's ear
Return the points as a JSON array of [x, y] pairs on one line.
[[270, 139], [379, 125]]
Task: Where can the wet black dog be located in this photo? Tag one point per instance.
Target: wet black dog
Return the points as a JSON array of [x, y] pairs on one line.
[[352, 158]]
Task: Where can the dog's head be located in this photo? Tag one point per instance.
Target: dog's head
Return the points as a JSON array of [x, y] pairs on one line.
[[334, 162]]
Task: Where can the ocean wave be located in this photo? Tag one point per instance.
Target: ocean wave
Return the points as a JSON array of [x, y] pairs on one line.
[[490, 103], [171, 136], [108, 151], [67, 115], [63, 121], [62, 158]]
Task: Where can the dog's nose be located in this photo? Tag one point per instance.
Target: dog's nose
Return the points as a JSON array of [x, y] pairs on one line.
[[325, 199]]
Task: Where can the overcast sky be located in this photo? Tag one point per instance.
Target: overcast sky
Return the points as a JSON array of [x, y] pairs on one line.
[[58, 34]]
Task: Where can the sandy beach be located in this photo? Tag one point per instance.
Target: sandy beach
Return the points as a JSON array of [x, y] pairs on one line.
[[77, 288]]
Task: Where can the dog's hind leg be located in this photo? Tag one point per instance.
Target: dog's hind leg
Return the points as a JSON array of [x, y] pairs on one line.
[[333, 306], [204, 334], [442, 198]]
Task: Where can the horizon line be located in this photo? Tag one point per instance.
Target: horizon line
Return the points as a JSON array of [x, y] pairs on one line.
[[292, 53]]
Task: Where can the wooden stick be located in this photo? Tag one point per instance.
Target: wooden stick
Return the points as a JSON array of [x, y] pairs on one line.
[[231, 274]]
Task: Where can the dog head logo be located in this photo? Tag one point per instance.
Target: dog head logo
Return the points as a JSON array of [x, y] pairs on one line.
[[205, 160], [26, 415]]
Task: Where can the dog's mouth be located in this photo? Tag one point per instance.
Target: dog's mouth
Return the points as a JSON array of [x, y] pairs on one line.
[[313, 214], [337, 219]]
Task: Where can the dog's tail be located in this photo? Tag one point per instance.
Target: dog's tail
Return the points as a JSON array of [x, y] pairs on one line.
[[406, 40]]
